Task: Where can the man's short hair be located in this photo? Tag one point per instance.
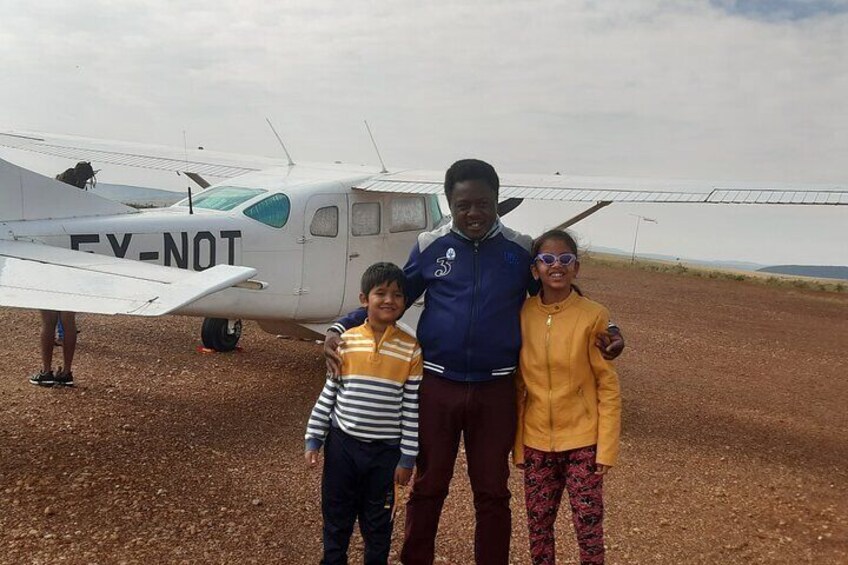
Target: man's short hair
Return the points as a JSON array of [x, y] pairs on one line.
[[380, 273], [471, 169]]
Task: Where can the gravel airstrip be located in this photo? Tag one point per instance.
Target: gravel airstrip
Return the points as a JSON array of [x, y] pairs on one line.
[[735, 445]]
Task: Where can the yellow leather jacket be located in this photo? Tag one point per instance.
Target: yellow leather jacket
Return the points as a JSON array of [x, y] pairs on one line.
[[568, 394]]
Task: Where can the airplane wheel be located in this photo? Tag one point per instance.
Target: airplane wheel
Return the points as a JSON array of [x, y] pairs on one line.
[[216, 334]]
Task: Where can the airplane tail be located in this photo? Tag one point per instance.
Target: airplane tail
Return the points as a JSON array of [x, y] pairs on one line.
[[25, 195]]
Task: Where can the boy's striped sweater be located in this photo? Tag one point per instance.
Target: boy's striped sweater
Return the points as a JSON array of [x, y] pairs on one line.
[[376, 396]]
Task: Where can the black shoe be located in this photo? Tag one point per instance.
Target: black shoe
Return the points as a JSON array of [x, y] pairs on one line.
[[63, 378], [43, 378]]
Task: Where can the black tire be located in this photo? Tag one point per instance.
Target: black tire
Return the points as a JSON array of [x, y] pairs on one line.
[[215, 334]]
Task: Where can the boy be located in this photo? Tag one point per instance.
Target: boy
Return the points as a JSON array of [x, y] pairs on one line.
[[368, 419]]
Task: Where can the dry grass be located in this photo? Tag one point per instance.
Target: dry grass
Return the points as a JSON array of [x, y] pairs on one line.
[[681, 268]]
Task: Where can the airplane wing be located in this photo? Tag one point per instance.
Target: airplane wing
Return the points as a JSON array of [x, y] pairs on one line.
[[33, 275], [159, 157], [572, 188], [565, 188]]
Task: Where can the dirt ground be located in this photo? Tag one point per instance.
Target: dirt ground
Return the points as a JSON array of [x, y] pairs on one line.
[[735, 445]]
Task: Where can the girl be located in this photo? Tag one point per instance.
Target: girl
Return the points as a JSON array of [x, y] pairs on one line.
[[569, 406]]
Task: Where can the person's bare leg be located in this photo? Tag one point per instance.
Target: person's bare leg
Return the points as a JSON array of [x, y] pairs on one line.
[[70, 323], [48, 329]]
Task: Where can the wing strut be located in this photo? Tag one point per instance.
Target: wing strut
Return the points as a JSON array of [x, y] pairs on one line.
[[584, 214], [199, 180]]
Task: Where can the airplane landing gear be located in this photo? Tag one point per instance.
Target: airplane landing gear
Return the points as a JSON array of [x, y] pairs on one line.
[[220, 334]]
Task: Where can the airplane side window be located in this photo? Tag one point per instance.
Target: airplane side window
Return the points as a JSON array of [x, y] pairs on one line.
[[408, 213], [325, 222], [273, 211], [365, 218], [435, 210]]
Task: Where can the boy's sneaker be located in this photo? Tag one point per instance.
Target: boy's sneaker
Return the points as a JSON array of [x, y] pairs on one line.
[[64, 378], [43, 378]]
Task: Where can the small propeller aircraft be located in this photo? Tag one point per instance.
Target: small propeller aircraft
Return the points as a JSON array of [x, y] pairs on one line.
[[281, 243]]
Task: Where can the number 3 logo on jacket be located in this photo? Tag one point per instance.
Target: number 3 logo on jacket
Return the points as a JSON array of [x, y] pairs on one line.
[[445, 263]]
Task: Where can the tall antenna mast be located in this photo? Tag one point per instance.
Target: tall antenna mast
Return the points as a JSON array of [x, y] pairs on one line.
[[188, 185], [280, 139], [375, 147]]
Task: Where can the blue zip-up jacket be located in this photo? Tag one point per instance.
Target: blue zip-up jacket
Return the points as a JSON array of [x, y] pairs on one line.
[[469, 330]]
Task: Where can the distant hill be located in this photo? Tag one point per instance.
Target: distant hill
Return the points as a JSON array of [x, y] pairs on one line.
[[736, 265], [816, 271]]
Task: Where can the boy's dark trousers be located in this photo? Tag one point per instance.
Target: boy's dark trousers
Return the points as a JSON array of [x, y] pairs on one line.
[[484, 415], [358, 482]]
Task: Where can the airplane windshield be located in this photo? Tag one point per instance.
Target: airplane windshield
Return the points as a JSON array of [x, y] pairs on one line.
[[222, 197]]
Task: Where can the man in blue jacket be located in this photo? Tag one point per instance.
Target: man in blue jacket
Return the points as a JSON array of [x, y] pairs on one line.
[[476, 274]]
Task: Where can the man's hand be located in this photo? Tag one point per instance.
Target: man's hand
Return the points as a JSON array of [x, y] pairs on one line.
[[601, 469], [611, 344], [311, 458], [332, 341], [402, 476]]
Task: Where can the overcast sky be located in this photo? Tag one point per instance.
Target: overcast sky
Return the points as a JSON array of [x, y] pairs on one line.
[[733, 90]]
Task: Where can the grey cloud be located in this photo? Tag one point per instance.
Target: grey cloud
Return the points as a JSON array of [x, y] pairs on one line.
[[782, 10], [618, 87]]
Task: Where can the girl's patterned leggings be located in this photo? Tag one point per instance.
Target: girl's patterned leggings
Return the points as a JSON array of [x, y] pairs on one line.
[[546, 475]]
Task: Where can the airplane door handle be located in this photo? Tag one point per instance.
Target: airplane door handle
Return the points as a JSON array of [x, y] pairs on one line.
[[354, 255]]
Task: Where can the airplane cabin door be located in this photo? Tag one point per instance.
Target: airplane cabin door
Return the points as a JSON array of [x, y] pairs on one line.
[[325, 258], [367, 241]]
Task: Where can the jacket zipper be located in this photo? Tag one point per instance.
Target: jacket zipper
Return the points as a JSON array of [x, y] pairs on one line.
[[548, 323], [473, 311]]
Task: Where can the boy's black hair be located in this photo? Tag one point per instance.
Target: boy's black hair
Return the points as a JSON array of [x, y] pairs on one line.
[[471, 169], [380, 273], [562, 236]]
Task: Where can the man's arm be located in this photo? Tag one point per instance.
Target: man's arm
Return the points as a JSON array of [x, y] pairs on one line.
[[349, 320], [333, 339], [413, 288], [611, 342]]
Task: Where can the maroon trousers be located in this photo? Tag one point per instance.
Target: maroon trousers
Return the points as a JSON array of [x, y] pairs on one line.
[[484, 415]]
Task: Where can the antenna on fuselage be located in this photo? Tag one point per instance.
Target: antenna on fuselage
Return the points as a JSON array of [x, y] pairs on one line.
[[280, 139], [375, 147], [185, 151]]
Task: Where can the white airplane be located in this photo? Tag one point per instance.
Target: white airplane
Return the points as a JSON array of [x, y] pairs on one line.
[[275, 242]]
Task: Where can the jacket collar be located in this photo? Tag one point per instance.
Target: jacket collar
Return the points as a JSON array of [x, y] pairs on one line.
[[557, 307]]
